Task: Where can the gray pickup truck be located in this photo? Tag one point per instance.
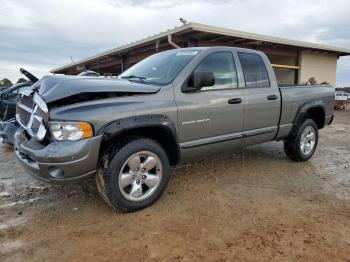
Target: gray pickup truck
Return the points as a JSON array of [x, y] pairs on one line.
[[172, 106]]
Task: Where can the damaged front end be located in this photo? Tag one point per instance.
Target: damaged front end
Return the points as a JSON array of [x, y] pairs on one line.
[[47, 159], [46, 145]]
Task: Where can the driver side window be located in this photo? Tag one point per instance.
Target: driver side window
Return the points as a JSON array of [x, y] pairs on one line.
[[222, 65]]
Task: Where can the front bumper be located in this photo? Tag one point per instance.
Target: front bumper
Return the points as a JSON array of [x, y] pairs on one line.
[[59, 162]]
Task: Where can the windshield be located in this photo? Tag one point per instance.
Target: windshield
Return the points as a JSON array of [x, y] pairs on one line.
[[160, 68], [24, 89]]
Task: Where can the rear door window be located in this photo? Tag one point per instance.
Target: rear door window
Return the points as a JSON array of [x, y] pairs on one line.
[[254, 70]]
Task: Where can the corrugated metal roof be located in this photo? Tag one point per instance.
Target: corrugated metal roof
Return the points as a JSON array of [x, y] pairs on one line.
[[215, 30], [265, 38]]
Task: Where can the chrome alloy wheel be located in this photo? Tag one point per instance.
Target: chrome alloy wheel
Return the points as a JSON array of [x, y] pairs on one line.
[[308, 140], [140, 176]]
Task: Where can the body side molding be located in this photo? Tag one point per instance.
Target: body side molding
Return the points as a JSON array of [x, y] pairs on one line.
[[227, 137], [118, 126]]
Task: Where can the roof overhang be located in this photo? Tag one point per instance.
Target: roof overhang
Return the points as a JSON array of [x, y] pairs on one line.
[[207, 29]]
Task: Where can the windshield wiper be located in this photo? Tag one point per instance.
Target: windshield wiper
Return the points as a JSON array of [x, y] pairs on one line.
[[133, 76]]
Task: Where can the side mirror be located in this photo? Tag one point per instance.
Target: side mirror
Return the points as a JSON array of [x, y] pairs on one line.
[[199, 80], [203, 79]]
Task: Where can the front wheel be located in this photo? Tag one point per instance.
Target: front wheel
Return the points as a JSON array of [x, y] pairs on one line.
[[135, 176], [303, 145]]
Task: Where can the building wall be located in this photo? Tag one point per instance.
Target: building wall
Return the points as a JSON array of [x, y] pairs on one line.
[[282, 60], [285, 76], [321, 66]]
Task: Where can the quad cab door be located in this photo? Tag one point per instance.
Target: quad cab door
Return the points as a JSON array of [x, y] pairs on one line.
[[262, 99], [211, 118]]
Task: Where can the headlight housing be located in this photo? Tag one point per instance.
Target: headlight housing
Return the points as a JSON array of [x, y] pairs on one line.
[[70, 130]]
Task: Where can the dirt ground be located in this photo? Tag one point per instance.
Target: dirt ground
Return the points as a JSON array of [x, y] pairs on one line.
[[253, 205]]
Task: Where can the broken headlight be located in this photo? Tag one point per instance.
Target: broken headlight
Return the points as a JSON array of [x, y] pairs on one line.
[[70, 130]]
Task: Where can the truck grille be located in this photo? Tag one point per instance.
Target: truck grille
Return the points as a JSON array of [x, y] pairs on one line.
[[28, 101], [32, 113]]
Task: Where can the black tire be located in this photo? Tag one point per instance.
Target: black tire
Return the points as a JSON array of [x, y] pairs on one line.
[[108, 176], [292, 146]]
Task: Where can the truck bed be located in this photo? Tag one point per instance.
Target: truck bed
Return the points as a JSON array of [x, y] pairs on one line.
[[293, 97]]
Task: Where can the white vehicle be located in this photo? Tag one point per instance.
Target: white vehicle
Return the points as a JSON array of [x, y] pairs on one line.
[[341, 96]]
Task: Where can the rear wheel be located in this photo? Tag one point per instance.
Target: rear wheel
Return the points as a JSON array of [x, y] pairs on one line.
[[135, 175], [303, 145]]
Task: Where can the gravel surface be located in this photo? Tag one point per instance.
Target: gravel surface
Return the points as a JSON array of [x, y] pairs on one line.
[[251, 205]]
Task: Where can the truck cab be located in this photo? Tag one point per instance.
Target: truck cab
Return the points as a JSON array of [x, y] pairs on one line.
[[241, 107]]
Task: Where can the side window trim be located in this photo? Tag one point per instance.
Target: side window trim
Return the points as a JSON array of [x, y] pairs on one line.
[[234, 62], [243, 73], [240, 76]]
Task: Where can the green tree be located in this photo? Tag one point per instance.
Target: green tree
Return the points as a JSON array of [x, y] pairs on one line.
[[21, 80], [5, 83]]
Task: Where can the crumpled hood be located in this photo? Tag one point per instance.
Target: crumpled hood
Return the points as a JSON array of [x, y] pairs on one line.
[[53, 88]]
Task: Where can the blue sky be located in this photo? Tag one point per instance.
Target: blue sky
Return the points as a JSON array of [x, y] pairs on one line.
[[41, 35]]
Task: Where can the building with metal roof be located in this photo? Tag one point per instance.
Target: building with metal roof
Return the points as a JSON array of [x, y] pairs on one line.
[[294, 62]]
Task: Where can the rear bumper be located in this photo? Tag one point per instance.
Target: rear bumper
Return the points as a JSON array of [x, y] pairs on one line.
[[60, 162]]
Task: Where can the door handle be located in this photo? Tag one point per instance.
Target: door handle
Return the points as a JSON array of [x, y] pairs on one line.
[[235, 101], [272, 97]]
